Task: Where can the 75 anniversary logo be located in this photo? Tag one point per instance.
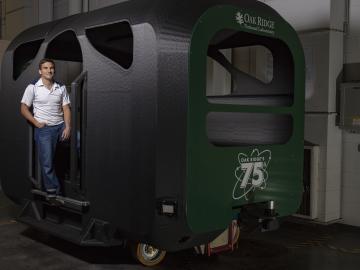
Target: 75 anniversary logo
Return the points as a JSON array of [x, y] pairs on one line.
[[251, 173]]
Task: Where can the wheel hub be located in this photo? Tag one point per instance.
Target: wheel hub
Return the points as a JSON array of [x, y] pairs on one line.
[[149, 252]]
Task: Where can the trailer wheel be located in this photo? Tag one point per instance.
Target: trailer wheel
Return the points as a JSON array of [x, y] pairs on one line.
[[147, 254]]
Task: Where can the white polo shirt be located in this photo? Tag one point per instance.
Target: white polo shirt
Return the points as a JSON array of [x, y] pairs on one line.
[[47, 104]]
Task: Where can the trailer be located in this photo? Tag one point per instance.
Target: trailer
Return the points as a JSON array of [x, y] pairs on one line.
[[175, 141]]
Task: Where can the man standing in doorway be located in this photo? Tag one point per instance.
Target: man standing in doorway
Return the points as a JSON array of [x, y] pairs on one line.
[[51, 119]]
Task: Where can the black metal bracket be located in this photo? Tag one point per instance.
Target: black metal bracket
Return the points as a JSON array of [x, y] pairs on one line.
[[64, 201]]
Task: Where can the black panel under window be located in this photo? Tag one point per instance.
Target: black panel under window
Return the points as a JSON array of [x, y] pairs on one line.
[[65, 47], [243, 129], [24, 55], [115, 41]]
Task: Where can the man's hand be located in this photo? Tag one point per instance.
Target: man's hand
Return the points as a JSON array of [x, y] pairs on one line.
[[40, 125], [67, 118], [66, 134], [28, 116]]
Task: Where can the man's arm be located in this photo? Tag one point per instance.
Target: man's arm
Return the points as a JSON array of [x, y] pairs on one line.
[[67, 120], [28, 116]]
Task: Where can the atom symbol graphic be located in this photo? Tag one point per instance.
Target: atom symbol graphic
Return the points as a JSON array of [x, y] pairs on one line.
[[251, 173]]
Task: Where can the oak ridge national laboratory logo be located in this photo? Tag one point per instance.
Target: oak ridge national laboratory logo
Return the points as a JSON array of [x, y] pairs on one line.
[[240, 18], [251, 173], [256, 23]]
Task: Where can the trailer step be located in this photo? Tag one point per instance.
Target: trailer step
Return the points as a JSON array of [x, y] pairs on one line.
[[67, 224], [63, 201], [68, 233]]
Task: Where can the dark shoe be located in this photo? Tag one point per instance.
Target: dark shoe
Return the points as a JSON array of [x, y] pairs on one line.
[[50, 196], [54, 201], [50, 193]]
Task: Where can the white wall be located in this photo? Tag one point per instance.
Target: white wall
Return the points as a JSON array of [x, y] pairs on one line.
[[61, 9], [95, 4], [3, 45], [352, 53], [351, 155], [351, 182], [305, 14], [327, 49], [320, 129], [18, 15], [320, 24]]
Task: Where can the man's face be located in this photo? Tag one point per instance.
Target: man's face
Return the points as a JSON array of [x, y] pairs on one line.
[[47, 71]]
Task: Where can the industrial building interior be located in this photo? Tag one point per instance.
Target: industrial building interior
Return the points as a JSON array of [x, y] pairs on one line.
[[325, 232]]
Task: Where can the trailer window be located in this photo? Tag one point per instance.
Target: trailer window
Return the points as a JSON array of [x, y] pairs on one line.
[[253, 62], [115, 41], [245, 69], [24, 55], [256, 61], [251, 70], [65, 47]]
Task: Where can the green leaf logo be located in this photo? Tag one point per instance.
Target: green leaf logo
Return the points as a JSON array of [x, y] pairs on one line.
[[239, 18]]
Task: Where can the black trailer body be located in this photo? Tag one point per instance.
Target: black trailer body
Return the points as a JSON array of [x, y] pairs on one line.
[[126, 173]]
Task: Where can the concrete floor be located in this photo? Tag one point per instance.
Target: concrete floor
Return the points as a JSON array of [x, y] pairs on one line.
[[294, 246]]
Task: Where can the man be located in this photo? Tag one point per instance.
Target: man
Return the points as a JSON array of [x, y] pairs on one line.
[[51, 119]]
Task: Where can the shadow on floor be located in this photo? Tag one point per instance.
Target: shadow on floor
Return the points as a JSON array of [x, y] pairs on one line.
[[8, 209], [92, 255], [251, 254], [295, 246]]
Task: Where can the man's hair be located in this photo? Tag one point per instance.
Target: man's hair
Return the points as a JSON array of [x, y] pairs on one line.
[[46, 60]]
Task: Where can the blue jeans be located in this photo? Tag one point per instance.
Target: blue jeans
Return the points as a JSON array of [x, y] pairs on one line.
[[46, 139]]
